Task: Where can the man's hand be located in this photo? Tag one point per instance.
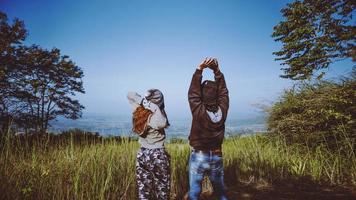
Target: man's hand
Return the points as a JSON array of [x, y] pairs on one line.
[[206, 63], [214, 65], [211, 63]]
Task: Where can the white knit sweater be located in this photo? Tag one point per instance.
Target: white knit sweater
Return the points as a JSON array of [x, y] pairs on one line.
[[156, 124]]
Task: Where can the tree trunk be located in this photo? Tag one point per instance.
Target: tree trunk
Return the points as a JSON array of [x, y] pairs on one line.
[[47, 115]]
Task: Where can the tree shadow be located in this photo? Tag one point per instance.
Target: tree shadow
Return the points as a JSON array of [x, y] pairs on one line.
[[303, 188], [287, 189]]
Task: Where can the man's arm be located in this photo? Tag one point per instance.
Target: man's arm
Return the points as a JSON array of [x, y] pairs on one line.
[[223, 93], [194, 93]]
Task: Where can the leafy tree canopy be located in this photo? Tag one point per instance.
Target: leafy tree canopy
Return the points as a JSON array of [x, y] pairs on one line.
[[36, 85], [314, 34]]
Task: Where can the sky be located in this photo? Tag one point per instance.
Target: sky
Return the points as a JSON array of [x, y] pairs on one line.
[[135, 45]]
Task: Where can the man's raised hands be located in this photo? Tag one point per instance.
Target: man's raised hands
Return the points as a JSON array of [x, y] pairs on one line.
[[211, 63]]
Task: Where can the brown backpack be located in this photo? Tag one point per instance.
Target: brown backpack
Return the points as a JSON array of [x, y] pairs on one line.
[[140, 119]]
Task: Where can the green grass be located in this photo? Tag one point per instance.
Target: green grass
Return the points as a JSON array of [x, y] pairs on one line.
[[106, 170]]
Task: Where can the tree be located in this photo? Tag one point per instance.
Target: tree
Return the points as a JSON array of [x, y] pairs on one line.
[[11, 37], [36, 85], [47, 85], [314, 34]]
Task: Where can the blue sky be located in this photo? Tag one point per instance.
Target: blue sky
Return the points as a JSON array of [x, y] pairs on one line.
[[136, 45]]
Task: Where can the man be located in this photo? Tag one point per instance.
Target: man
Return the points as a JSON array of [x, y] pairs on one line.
[[209, 103]]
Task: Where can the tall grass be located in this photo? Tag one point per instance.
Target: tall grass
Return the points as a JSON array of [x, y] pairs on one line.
[[106, 170], [271, 159]]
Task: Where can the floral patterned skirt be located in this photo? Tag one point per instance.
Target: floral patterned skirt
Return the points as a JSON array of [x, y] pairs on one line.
[[153, 174]]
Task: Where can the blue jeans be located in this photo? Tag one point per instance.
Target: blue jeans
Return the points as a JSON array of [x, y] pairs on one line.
[[211, 165]]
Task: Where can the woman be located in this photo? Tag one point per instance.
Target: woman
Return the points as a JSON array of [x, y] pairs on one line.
[[153, 162]]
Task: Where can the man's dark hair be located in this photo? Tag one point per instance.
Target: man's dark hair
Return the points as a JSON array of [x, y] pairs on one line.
[[210, 94]]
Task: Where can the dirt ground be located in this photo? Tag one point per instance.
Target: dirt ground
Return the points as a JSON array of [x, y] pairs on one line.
[[286, 191]]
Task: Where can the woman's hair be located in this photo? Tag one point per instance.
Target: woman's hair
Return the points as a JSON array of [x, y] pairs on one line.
[[139, 120]]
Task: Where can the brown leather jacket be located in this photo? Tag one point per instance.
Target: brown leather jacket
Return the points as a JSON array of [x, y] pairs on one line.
[[205, 134]]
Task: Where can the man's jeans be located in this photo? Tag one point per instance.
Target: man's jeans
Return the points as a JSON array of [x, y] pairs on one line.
[[211, 165]]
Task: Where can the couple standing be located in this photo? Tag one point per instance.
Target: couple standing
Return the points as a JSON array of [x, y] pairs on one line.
[[209, 103]]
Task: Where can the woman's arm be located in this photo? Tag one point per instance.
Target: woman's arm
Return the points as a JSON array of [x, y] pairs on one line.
[[157, 120], [134, 99]]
